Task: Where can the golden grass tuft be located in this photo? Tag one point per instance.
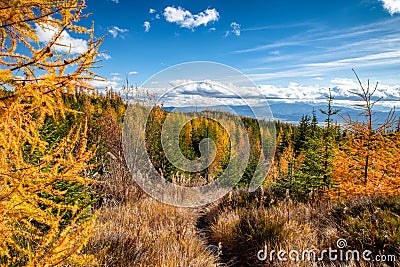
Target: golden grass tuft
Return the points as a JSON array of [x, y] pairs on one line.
[[245, 230], [148, 233]]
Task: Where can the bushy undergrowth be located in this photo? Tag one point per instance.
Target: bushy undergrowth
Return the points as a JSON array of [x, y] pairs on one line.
[[372, 224], [245, 228]]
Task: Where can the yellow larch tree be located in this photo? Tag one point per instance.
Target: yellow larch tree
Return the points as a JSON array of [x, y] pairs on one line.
[[366, 163], [35, 74]]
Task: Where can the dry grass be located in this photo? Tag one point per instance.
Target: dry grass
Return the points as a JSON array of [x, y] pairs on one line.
[[116, 185], [244, 231], [134, 230], [245, 225], [148, 233]]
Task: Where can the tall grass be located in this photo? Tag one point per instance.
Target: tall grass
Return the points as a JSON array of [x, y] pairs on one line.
[[250, 224], [134, 230], [148, 233]]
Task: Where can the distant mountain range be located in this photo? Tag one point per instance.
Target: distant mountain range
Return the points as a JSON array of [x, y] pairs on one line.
[[286, 112]]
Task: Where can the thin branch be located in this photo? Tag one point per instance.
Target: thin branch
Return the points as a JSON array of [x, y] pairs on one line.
[[44, 51], [30, 19]]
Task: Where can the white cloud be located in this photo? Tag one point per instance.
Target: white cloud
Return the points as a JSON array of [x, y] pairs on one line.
[[116, 79], [146, 26], [235, 28], [102, 84], [271, 46], [377, 59], [293, 91], [105, 56], [341, 89], [359, 47], [350, 36], [392, 6], [181, 93], [65, 42], [202, 93], [345, 83], [212, 29], [369, 53], [154, 13], [116, 31], [343, 86], [115, 1], [185, 19]]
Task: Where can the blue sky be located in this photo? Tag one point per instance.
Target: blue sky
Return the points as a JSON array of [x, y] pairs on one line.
[[292, 49]]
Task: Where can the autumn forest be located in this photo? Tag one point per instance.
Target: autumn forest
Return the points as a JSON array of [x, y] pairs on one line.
[[69, 198]]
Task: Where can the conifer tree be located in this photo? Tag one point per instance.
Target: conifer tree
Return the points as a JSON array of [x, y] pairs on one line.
[[38, 227], [302, 134], [310, 177], [329, 134], [367, 133], [364, 163]]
